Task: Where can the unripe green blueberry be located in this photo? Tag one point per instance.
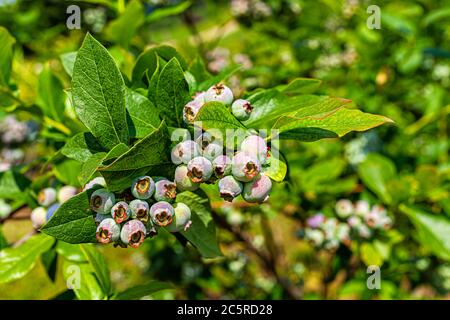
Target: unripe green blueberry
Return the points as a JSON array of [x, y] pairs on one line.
[[143, 187], [362, 208], [220, 93], [245, 167], [51, 210], [229, 188], [162, 213], [38, 217], [199, 169], [182, 180], [257, 190], [344, 208], [107, 231], [191, 110], [222, 166], [182, 218], [140, 210], [241, 109], [165, 190], [133, 233], [102, 201], [120, 212], [66, 192], [46, 197], [354, 221], [98, 181], [255, 146], [185, 151]]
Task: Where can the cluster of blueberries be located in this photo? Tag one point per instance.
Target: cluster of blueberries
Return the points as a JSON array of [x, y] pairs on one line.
[[130, 223], [203, 160], [49, 200], [356, 221]]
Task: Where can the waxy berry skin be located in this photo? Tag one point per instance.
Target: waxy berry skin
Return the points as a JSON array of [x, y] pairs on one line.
[[162, 213], [182, 180], [133, 233], [315, 221], [66, 192], [185, 151], [46, 197], [165, 190], [229, 188], [120, 212], [222, 166], [199, 169], [241, 109], [191, 110], [212, 151], [140, 210], [199, 97], [245, 167], [143, 187], [38, 217], [182, 218], [258, 190], [107, 231], [51, 210], [98, 181], [219, 93], [255, 146], [344, 208], [102, 201]]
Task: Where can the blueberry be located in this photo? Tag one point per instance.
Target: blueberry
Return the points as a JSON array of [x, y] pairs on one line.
[[108, 231], [342, 232], [199, 97], [38, 217], [199, 169], [46, 197], [143, 187], [241, 109], [354, 221], [362, 208], [120, 212], [315, 236], [100, 217], [229, 188], [182, 180], [66, 192], [185, 151], [245, 167], [191, 110], [257, 190], [182, 218], [139, 210], [162, 213], [98, 181], [315, 221], [51, 210], [212, 151], [165, 190], [364, 231], [102, 201], [208, 137], [220, 93], [133, 233], [344, 208], [222, 166], [255, 146]]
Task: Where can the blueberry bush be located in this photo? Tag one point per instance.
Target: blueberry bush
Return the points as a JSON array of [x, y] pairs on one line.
[[280, 150]]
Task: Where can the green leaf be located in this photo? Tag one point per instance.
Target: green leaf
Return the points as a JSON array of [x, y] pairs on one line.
[[73, 222], [276, 170], [68, 61], [122, 29], [98, 93], [138, 292], [301, 86], [433, 231], [71, 252], [165, 12], [3, 242], [376, 172], [17, 262], [340, 122], [220, 77], [49, 260], [143, 117], [51, 95], [82, 277], [81, 146], [202, 232], [99, 266], [6, 56], [198, 70], [321, 173], [172, 93], [67, 172], [149, 151], [13, 185], [266, 106], [90, 167], [215, 115], [370, 255]]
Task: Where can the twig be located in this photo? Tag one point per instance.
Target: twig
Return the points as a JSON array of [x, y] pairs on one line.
[[24, 239], [21, 213]]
